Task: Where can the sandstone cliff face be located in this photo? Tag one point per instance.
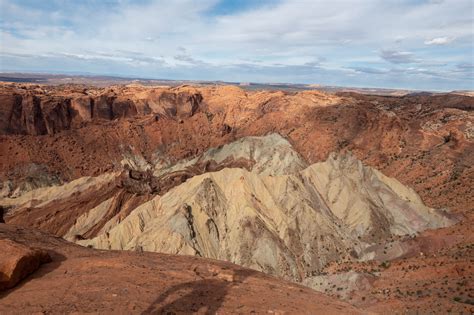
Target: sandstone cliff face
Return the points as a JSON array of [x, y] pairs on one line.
[[38, 112]]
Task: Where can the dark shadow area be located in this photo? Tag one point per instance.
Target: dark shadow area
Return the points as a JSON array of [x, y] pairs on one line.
[[2, 212], [44, 269], [191, 297]]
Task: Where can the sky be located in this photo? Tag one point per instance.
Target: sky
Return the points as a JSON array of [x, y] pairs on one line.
[[411, 44]]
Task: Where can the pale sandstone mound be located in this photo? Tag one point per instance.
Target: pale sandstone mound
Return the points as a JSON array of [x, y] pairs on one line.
[[267, 155], [369, 202], [83, 280], [18, 261], [288, 225]]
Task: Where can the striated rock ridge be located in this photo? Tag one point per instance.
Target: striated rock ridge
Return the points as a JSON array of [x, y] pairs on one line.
[[290, 225], [370, 203]]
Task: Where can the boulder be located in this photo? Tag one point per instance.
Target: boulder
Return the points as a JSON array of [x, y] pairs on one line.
[[17, 261]]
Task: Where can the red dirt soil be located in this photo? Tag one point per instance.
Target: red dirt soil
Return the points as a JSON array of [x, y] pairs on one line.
[[85, 280]]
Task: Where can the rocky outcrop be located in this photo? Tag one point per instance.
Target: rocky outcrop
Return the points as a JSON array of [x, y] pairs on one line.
[[181, 104], [10, 112], [83, 106], [54, 209], [35, 114], [18, 261]]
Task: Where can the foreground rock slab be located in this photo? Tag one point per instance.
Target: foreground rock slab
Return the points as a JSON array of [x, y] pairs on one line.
[[17, 261], [85, 280]]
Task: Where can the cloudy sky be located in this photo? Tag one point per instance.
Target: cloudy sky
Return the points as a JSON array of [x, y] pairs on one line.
[[417, 44]]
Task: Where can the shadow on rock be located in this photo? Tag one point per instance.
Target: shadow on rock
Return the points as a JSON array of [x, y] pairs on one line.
[[205, 296]]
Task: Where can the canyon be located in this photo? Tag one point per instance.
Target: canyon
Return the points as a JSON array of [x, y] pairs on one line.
[[365, 198]]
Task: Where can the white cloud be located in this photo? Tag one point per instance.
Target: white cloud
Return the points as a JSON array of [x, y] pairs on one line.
[[343, 35], [439, 41]]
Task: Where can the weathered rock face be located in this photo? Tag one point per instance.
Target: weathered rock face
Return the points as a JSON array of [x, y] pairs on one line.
[[180, 104], [37, 113], [57, 114], [10, 113], [29, 118], [83, 106], [111, 106], [17, 261]]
